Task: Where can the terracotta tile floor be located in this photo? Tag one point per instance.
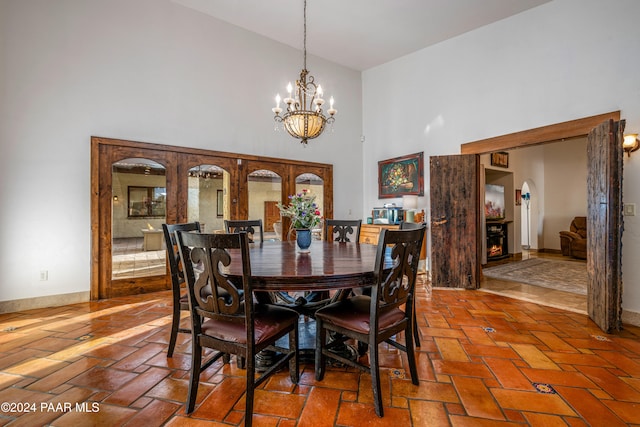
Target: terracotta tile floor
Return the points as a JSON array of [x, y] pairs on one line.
[[485, 360]]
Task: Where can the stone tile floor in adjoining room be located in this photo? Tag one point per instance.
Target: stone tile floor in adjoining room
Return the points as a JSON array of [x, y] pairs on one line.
[[130, 260], [485, 360], [537, 294]]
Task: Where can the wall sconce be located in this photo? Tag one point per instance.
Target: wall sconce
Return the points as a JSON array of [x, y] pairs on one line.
[[115, 198], [630, 143]]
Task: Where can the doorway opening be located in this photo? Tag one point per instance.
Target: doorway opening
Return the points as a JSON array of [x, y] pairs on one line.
[[548, 186], [561, 133]]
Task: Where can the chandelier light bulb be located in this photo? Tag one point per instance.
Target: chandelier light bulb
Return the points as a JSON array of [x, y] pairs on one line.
[[332, 111], [277, 110]]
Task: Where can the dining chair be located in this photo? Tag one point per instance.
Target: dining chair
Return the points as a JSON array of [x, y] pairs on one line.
[[180, 299], [247, 225], [234, 325], [416, 332], [382, 315], [347, 230]]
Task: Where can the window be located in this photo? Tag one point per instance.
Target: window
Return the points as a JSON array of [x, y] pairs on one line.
[[146, 201]]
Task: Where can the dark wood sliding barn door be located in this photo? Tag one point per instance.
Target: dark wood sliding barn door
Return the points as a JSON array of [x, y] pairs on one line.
[[604, 225], [455, 223]]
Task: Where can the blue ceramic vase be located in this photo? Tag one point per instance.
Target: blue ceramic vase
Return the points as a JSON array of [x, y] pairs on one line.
[[303, 239]]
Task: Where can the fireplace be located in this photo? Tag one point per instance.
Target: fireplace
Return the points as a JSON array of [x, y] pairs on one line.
[[496, 241], [495, 250]]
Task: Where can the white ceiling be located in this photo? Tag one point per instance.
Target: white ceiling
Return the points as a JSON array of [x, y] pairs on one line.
[[361, 34]]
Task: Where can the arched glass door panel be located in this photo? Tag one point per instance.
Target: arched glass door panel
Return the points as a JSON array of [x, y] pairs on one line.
[[314, 185], [265, 191], [139, 198], [208, 197]]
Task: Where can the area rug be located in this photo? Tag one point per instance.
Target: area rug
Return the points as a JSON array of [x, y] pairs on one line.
[[568, 276]]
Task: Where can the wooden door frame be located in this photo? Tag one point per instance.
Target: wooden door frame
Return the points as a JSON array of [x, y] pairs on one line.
[[537, 136], [102, 150]]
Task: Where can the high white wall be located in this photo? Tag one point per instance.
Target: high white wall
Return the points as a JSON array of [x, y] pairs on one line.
[[144, 70], [561, 61]]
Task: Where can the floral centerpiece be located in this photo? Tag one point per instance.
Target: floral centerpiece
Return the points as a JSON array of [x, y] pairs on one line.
[[302, 210]]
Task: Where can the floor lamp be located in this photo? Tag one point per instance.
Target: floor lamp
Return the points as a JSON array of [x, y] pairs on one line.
[[527, 199]]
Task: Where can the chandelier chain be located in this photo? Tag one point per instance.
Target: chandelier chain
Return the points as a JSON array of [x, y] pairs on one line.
[[304, 43]]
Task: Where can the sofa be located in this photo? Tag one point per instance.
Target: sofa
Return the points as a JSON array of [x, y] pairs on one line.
[[573, 243]]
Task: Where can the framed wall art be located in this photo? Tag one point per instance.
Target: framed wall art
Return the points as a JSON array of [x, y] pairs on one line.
[[500, 159], [401, 176]]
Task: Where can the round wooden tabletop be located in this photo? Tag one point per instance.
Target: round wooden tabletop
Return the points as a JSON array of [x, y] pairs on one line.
[[280, 266]]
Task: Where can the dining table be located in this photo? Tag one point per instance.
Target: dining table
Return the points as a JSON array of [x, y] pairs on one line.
[[281, 267]]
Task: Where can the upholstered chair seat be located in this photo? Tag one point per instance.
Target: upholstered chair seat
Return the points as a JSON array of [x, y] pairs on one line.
[[268, 321], [355, 314]]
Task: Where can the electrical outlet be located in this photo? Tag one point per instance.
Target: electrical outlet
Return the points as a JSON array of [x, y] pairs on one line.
[[44, 275], [630, 209]]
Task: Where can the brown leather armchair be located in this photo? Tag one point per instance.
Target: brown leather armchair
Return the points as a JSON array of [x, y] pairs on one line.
[[574, 242]]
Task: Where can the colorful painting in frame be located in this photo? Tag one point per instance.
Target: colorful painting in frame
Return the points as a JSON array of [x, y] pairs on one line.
[[401, 176]]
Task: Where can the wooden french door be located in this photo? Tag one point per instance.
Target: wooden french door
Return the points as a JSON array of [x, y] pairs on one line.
[[455, 222], [177, 162], [605, 224], [103, 157], [288, 173], [187, 161]]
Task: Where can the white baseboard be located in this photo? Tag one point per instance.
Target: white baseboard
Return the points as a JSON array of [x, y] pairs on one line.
[[631, 317], [42, 302]]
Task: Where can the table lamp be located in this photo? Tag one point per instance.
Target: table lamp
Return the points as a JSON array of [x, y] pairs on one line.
[[409, 204]]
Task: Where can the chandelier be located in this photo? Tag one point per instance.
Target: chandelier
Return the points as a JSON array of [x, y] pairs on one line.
[[304, 118]]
